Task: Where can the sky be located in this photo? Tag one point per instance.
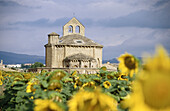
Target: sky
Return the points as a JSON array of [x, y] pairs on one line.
[[133, 26]]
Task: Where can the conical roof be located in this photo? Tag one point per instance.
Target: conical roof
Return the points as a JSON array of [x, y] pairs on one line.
[[76, 39], [79, 56]]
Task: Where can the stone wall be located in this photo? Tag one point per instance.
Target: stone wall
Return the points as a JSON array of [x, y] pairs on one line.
[[48, 55], [74, 50], [69, 70], [59, 55], [56, 54], [73, 22], [98, 56], [90, 51]]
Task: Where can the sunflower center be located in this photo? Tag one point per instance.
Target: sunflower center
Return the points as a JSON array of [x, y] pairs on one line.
[[107, 84], [157, 92], [49, 109], [130, 63]]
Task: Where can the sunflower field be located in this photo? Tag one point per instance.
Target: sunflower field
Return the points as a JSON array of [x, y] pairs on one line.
[[135, 86]]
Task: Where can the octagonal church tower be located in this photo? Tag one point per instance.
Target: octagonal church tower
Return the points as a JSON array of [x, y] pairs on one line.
[[73, 50]]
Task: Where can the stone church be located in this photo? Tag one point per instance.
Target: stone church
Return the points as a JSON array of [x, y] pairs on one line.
[[73, 51]]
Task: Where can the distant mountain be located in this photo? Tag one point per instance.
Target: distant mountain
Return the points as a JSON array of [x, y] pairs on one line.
[[114, 60], [13, 58]]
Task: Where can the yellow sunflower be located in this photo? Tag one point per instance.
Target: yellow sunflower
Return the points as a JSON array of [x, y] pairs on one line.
[[88, 85], [75, 85], [46, 105], [77, 82], [128, 64], [32, 97], [74, 73], [27, 76], [107, 84], [1, 78], [30, 87], [1, 82], [159, 61], [152, 88], [150, 94], [18, 77], [56, 98], [31, 83], [55, 85], [122, 76], [57, 75], [110, 76], [104, 68], [92, 101]]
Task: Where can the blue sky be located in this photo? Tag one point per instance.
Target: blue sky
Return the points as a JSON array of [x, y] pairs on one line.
[[134, 26]]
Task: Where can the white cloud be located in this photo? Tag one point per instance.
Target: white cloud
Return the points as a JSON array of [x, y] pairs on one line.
[[94, 9], [117, 8], [108, 36], [35, 3], [142, 40], [19, 24]]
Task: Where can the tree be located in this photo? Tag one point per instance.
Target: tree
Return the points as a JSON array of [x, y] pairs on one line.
[[25, 66], [37, 64]]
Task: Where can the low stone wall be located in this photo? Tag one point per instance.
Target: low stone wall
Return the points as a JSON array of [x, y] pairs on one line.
[[69, 70]]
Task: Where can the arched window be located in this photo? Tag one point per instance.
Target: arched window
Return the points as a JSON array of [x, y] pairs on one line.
[[77, 29], [75, 66], [70, 29], [85, 66]]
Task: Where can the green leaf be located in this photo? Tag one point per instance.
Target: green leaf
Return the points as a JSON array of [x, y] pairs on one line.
[[44, 84], [19, 88], [19, 99], [122, 93]]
